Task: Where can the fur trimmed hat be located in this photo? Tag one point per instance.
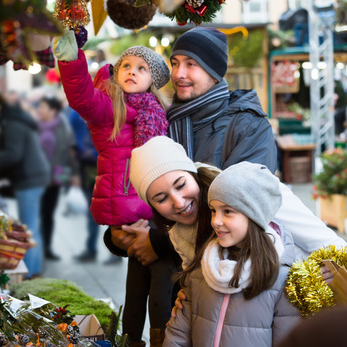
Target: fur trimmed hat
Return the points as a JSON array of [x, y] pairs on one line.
[[250, 189], [159, 69]]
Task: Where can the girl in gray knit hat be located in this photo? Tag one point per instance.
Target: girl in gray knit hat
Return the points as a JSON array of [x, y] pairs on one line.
[[235, 283], [123, 109]]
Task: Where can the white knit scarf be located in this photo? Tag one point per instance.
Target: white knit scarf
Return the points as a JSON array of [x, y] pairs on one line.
[[218, 272]]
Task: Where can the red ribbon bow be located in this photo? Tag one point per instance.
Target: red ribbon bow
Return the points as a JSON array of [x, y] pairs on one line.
[[200, 10]]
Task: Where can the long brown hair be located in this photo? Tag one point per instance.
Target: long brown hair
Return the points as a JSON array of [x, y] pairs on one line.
[[259, 248], [115, 92], [204, 178]]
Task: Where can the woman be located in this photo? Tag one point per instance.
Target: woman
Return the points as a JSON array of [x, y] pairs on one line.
[[176, 188], [57, 141]]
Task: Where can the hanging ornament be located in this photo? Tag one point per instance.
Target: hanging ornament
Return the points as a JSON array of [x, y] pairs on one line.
[[72, 13], [196, 11], [125, 13], [25, 28], [99, 14], [195, 3], [81, 35]]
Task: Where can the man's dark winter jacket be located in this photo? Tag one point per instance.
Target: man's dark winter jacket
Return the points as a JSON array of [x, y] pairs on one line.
[[224, 128], [249, 134], [20, 150]]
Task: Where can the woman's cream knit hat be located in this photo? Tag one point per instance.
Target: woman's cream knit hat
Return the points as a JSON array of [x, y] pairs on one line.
[[155, 158]]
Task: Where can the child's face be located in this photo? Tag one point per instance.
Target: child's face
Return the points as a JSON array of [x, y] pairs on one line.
[[134, 75], [230, 226], [175, 195]]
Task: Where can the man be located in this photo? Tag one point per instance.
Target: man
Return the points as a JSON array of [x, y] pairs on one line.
[[213, 124]]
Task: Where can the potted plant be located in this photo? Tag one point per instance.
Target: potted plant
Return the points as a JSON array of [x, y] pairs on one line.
[[331, 188]]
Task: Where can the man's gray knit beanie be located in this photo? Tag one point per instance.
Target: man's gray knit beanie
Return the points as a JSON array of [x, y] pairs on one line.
[[208, 47], [250, 189], [159, 70]]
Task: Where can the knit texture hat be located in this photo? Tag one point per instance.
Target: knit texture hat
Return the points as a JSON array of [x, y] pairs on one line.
[[208, 47], [159, 70], [155, 158], [250, 189]]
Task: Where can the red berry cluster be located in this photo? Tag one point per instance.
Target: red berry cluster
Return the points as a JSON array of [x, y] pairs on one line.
[[59, 313]]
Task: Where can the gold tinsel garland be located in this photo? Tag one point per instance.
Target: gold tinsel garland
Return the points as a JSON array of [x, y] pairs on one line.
[[305, 287]]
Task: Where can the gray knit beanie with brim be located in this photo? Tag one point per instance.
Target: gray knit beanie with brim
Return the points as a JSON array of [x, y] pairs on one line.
[[159, 69], [154, 159], [250, 189], [208, 47]]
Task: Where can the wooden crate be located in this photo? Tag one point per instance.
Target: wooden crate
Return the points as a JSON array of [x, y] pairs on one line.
[[300, 169], [333, 211]]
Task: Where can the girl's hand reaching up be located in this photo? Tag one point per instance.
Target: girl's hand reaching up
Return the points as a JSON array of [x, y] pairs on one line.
[[65, 47]]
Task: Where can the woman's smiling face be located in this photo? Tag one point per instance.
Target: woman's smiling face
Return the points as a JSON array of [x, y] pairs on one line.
[[175, 195]]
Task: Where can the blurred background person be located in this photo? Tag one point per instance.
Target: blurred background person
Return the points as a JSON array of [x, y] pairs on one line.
[[87, 157], [21, 153], [57, 142]]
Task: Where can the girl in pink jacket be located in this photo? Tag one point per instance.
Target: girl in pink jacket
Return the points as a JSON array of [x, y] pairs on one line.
[[123, 110]]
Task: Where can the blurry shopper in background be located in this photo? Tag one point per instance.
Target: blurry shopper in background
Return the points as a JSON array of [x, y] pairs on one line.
[[21, 153], [57, 141], [87, 157]]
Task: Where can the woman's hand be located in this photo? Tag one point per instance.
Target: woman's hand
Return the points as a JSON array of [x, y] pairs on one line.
[[178, 304], [120, 238], [141, 248], [327, 275]]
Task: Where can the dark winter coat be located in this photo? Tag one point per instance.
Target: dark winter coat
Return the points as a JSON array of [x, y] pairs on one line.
[[240, 132], [20, 150]]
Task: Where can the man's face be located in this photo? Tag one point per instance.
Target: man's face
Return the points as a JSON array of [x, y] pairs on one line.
[[189, 79]]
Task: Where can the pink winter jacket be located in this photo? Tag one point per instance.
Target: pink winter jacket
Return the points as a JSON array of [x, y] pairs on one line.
[[115, 201]]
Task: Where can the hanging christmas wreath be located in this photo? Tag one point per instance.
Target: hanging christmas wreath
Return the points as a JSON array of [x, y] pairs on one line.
[[196, 11], [305, 287]]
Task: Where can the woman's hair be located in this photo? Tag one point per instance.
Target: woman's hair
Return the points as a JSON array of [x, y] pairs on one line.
[[52, 102], [115, 92], [204, 178], [258, 247]]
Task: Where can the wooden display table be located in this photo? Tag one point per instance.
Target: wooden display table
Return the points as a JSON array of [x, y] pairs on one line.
[[295, 152]]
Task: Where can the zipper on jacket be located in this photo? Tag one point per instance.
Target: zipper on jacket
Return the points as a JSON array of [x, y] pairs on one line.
[[126, 184], [221, 319]]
